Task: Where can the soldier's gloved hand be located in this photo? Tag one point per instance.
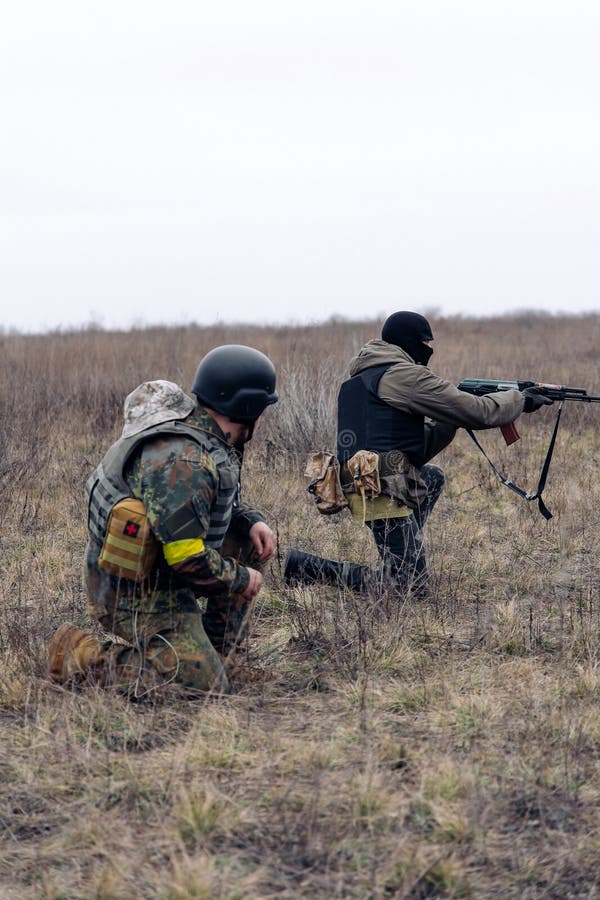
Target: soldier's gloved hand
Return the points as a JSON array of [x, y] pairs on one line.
[[534, 399], [254, 585]]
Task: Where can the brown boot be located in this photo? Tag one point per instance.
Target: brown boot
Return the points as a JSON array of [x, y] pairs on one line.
[[71, 653]]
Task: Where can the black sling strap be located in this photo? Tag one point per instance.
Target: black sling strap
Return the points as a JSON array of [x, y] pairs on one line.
[[543, 474]]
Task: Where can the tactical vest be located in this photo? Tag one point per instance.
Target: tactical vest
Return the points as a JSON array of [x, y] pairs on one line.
[[107, 485], [366, 422]]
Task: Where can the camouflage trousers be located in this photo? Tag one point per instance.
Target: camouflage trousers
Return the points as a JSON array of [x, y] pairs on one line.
[[181, 645], [160, 648], [400, 541]]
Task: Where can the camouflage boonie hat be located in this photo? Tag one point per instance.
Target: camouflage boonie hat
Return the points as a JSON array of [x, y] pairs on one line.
[[154, 402]]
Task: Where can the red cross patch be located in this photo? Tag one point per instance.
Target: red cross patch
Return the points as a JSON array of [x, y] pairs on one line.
[[131, 529]]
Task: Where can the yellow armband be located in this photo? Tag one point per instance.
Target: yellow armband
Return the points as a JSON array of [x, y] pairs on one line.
[[178, 551]]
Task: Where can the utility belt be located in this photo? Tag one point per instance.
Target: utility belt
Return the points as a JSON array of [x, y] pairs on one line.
[[381, 507], [360, 485]]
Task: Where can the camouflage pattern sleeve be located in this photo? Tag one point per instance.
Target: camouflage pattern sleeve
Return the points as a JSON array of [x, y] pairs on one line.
[[177, 482], [244, 517]]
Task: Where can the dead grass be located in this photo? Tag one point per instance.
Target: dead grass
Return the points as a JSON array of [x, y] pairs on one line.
[[373, 749]]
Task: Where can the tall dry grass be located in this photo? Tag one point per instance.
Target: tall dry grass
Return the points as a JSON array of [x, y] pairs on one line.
[[375, 748]]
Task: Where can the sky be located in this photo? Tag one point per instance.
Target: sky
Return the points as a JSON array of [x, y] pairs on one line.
[[265, 161]]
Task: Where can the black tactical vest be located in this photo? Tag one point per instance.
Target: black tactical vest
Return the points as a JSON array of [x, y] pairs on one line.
[[365, 422]]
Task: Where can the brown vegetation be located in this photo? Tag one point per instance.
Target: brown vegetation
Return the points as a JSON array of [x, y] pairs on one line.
[[373, 749]]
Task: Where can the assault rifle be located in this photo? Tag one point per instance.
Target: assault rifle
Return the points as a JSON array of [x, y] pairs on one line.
[[555, 392]]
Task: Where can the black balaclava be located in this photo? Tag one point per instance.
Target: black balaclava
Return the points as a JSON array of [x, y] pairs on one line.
[[408, 330]]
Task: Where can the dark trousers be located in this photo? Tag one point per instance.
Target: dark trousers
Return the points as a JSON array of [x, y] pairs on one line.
[[400, 542]]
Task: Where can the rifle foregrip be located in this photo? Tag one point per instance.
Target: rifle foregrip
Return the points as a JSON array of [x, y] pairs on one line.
[[510, 433]]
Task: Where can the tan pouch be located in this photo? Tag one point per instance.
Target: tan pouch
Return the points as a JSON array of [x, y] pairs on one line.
[[129, 548], [364, 470], [323, 470]]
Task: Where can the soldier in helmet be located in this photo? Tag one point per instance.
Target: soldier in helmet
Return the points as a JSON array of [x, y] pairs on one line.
[[185, 533], [394, 405]]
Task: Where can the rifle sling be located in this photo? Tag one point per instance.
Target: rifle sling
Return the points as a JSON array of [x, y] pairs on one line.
[[543, 474]]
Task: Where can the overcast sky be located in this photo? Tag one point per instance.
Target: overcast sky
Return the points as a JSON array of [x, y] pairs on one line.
[[263, 160]]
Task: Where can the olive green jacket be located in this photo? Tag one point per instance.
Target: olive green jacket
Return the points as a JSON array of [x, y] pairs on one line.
[[412, 388]]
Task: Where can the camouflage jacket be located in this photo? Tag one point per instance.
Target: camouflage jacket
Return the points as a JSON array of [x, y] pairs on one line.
[[178, 482]]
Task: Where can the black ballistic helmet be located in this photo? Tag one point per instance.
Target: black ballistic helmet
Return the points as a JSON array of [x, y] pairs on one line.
[[237, 381]]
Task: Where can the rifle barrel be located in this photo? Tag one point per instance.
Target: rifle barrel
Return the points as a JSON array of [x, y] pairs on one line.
[[479, 387]]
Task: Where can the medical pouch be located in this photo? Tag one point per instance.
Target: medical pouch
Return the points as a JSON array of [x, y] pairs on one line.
[[129, 549]]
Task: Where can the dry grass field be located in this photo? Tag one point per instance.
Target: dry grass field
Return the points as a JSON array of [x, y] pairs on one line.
[[374, 748]]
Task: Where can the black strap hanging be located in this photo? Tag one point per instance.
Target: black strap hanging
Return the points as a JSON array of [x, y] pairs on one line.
[[543, 474]]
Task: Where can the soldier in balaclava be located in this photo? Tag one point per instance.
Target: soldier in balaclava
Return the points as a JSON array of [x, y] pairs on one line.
[[394, 405]]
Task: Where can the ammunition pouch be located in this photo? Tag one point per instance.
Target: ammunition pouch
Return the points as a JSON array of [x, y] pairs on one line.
[[373, 485], [363, 469], [381, 485], [323, 472]]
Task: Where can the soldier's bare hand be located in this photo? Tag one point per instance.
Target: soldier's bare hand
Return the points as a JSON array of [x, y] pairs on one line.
[[265, 542], [254, 585]]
